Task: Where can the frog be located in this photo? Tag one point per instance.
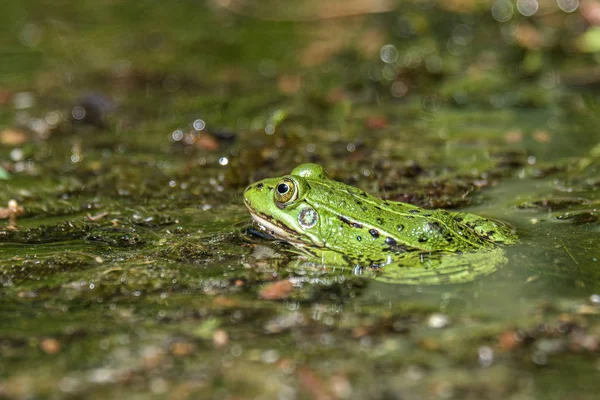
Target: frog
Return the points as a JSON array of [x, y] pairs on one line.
[[332, 223]]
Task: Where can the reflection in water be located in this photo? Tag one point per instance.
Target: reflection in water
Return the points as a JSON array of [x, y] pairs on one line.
[[310, 10]]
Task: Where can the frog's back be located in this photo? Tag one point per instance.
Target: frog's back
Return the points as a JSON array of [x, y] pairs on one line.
[[369, 229]]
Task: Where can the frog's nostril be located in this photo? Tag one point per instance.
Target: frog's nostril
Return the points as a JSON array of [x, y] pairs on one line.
[[260, 186]]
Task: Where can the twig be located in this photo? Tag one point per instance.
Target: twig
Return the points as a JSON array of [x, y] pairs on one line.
[[568, 252]]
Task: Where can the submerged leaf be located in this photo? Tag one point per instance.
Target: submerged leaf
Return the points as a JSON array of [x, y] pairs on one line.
[[4, 174]]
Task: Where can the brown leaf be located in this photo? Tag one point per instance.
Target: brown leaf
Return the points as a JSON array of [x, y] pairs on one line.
[[377, 122], [13, 137], [50, 346], [509, 341], [277, 290], [310, 382], [181, 349]]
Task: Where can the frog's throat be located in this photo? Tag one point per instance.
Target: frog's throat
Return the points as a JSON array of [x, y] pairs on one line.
[[278, 230]]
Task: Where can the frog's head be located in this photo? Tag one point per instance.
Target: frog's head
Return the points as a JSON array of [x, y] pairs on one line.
[[281, 206]]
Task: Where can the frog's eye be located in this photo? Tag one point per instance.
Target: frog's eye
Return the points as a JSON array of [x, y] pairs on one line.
[[286, 192]]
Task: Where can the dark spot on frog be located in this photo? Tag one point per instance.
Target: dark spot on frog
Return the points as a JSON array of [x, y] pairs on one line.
[[270, 188], [348, 222], [491, 233], [400, 228], [413, 211], [434, 226], [374, 233], [390, 241], [358, 238], [458, 219], [260, 186], [422, 239], [345, 220], [380, 221]]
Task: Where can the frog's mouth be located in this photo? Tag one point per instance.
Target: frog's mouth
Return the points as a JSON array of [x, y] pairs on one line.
[[276, 229], [280, 231]]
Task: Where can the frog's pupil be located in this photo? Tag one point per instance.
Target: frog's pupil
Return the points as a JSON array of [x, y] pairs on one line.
[[282, 188]]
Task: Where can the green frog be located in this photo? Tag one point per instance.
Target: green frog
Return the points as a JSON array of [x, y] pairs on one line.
[[336, 224]]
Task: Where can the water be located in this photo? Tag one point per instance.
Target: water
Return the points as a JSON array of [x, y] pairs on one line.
[[130, 130]]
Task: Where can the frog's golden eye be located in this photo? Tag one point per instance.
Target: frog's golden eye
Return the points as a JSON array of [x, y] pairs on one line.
[[286, 191]]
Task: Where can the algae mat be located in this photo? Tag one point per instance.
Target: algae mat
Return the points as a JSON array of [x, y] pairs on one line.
[[128, 131]]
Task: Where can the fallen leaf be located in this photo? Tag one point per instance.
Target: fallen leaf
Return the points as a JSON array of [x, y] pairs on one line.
[[50, 346], [277, 290]]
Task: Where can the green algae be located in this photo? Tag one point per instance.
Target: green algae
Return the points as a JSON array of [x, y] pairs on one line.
[[135, 271]]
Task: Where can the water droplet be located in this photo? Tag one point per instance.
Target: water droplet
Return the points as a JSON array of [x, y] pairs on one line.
[[540, 358], [502, 10], [399, 89], [78, 113], [527, 7], [199, 125], [16, 154], [269, 356], [568, 5], [438, 321], [486, 356], [389, 54]]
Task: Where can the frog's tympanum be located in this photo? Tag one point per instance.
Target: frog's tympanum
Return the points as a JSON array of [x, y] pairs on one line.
[[334, 223]]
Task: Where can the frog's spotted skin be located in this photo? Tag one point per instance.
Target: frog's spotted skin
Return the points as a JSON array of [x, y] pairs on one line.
[[320, 215]]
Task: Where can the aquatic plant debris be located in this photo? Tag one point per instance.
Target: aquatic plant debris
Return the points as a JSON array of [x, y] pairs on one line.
[[4, 174], [11, 212], [129, 130]]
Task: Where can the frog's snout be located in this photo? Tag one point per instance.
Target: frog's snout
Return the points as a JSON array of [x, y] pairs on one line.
[[259, 186]]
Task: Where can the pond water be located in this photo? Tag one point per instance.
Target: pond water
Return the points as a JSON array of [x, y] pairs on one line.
[[129, 130]]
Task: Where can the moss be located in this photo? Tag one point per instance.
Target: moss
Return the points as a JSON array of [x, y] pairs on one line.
[[133, 272]]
